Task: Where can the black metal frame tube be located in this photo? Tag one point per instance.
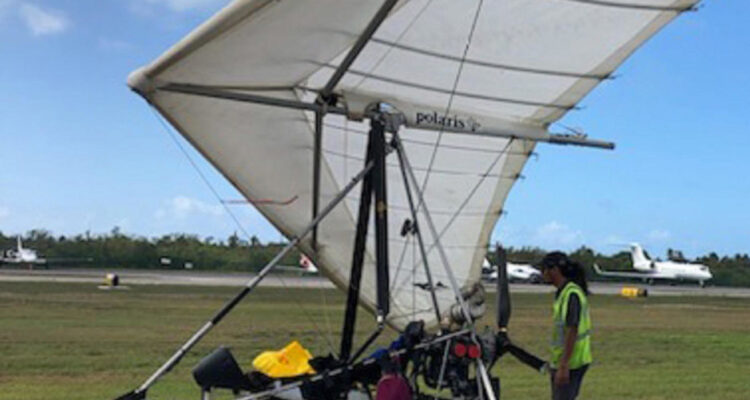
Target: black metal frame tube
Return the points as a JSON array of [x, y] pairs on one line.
[[373, 186], [317, 155], [358, 46], [355, 275], [177, 356], [367, 343], [377, 134], [325, 94]]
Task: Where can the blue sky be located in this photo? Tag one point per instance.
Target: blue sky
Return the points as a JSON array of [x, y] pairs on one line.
[[81, 152]]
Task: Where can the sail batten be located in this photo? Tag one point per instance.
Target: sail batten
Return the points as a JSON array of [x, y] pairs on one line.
[[242, 89], [483, 63]]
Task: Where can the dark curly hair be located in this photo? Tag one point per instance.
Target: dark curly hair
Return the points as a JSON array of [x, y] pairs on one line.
[[570, 269]]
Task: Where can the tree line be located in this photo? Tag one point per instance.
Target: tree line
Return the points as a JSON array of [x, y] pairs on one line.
[[173, 251], [180, 250]]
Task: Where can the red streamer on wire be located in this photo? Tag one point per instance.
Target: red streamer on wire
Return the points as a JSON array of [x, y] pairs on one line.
[[263, 201]]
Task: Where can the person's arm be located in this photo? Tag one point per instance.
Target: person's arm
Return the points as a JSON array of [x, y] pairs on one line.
[[562, 376]]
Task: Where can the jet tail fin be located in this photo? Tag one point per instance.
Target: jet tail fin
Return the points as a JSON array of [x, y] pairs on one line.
[[598, 269], [640, 260]]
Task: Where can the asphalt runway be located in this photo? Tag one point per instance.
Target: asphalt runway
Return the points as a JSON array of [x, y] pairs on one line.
[[235, 279], [161, 277]]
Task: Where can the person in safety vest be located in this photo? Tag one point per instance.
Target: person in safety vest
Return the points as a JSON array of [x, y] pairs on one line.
[[571, 335]]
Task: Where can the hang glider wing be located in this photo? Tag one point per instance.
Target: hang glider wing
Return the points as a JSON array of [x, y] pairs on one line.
[[526, 64]]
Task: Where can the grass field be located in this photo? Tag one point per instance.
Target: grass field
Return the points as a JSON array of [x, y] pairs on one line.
[[72, 341]]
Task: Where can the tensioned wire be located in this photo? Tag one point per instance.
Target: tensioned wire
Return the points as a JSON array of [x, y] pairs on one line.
[[398, 39], [468, 198], [452, 96], [362, 80], [400, 260], [441, 131], [455, 215], [440, 135], [236, 220], [447, 110]]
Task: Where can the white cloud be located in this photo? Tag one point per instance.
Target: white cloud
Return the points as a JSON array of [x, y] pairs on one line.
[[658, 235], [42, 22], [182, 207], [557, 235]]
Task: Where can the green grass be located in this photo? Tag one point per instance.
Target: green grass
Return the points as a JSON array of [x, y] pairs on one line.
[[72, 341]]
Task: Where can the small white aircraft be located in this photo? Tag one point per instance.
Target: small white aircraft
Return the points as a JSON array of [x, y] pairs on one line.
[[22, 256], [649, 270], [516, 272], [306, 266]]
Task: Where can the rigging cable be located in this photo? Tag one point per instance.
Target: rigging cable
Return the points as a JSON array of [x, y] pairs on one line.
[[398, 39], [450, 100], [451, 97], [456, 213], [466, 200], [361, 81], [400, 260], [237, 223]]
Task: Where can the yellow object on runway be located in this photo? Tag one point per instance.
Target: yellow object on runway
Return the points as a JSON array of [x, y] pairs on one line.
[[290, 361], [631, 291], [111, 280]]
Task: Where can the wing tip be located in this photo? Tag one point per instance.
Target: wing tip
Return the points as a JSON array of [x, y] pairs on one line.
[[139, 82]]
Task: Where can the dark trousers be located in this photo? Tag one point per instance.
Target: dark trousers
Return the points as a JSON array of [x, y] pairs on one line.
[[569, 391]]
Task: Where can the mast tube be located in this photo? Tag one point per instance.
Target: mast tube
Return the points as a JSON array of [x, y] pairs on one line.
[[355, 276]]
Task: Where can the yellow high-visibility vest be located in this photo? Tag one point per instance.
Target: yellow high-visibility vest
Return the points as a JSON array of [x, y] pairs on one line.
[[582, 349]]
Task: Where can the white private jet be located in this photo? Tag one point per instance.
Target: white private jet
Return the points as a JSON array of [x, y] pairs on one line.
[[650, 271], [516, 272], [22, 256]]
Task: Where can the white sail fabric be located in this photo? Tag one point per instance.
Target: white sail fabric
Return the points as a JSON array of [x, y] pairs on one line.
[[528, 62]]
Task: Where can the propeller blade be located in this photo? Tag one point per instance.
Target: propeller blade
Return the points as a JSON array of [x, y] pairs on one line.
[[503, 294], [134, 395], [504, 345], [527, 358]]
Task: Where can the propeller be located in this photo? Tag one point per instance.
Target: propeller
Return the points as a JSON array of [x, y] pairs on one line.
[[503, 293], [503, 317], [134, 395]]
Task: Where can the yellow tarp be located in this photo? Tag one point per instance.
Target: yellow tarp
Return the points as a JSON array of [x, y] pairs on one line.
[[287, 362]]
